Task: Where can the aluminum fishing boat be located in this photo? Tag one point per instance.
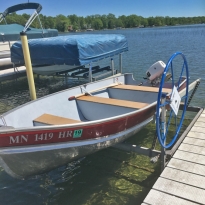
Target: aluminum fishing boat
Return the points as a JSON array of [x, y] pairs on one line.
[[49, 132]]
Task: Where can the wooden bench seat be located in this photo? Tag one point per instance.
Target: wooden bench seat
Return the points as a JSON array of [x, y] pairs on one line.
[[111, 101], [48, 119], [142, 88]]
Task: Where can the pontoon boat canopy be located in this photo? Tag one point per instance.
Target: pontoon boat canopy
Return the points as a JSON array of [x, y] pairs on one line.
[[71, 49]]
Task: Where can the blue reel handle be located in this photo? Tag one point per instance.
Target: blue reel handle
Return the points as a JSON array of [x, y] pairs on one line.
[[159, 124]]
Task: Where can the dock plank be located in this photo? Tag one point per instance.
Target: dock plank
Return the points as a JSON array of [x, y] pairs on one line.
[[203, 114], [180, 190], [192, 148], [199, 124], [201, 119], [198, 129], [190, 157], [197, 135], [187, 166], [159, 198], [184, 177], [194, 141]]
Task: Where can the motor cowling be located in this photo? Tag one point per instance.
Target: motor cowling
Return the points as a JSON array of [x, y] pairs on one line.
[[156, 70]]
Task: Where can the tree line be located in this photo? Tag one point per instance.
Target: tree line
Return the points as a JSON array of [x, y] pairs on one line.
[[97, 22]]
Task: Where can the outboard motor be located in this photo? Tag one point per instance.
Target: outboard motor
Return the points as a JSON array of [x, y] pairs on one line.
[[155, 72]]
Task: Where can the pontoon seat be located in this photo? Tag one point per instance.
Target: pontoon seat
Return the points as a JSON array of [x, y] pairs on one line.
[[48, 119]]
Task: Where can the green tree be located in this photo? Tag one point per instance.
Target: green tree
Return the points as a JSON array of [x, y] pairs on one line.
[[75, 26], [97, 24], [81, 22], [88, 21], [123, 18], [73, 19], [159, 21], [97, 21], [111, 23], [133, 21], [12, 18], [49, 22], [167, 20], [119, 23], [104, 21], [173, 21], [144, 22], [111, 20], [151, 21], [62, 23]]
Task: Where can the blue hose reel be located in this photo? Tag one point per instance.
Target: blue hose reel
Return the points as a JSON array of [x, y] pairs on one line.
[[164, 102]]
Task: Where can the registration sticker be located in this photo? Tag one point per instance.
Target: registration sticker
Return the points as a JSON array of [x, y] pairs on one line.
[[77, 133]]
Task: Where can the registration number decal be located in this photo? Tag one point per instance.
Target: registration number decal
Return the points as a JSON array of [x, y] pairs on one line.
[[77, 133]]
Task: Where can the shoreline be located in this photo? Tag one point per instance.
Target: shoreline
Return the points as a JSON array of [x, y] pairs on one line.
[[166, 26]]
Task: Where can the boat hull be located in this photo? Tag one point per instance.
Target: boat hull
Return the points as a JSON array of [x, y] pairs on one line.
[[22, 162]]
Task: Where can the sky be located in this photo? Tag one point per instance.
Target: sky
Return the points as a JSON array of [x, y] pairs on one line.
[[144, 8]]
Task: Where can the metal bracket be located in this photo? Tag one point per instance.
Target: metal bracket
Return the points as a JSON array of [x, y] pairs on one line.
[[86, 92]]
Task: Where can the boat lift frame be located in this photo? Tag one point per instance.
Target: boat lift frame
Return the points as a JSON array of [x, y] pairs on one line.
[[87, 73], [75, 73]]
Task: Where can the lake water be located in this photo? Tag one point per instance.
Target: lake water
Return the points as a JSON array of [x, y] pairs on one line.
[[109, 176]]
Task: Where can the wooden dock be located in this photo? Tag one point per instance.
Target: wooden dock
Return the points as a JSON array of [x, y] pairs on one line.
[[183, 179]]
